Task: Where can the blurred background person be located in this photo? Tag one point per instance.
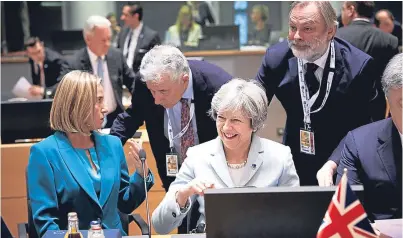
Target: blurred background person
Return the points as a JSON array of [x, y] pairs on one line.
[[385, 21], [236, 158], [45, 67], [136, 39], [259, 34], [359, 32], [115, 28], [104, 61], [186, 32], [201, 13], [79, 169]]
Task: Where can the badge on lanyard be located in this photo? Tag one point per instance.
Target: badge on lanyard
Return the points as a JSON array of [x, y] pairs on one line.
[[172, 164], [306, 135], [307, 142]]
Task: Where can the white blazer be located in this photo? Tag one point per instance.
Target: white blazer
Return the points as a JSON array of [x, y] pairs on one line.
[[269, 164]]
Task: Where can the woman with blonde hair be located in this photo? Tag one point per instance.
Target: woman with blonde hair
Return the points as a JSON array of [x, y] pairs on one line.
[[78, 169], [185, 32]]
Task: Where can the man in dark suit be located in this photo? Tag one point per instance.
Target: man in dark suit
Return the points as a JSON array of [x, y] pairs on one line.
[[135, 39], [359, 32], [173, 97], [372, 153], [45, 67], [104, 61], [323, 83]]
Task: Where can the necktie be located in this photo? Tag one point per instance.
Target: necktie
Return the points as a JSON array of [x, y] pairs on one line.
[[100, 69], [42, 75], [129, 40], [310, 79], [187, 139]]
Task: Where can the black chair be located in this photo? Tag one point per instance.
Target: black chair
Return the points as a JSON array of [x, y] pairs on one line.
[[26, 230]]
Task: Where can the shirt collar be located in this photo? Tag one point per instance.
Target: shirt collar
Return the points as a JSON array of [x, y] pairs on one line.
[[138, 29], [321, 62], [361, 19], [189, 90], [93, 57]]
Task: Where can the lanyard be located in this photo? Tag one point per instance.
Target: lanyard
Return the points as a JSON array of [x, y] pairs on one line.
[[306, 103], [182, 132]]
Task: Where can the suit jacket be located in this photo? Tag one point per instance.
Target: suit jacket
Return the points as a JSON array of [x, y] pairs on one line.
[[52, 68], [207, 79], [347, 107], [119, 73], [148, 38], [379, 45], [269, 164], [372, 155], [58, 184]]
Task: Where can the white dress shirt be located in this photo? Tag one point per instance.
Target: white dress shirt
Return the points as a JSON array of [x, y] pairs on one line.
[[175, 117], [109, 97], [129, 50], [321, 63]]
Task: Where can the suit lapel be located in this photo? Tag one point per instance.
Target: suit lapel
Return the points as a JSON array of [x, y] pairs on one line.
[[139, 42], [387, 152], [77, 170], [107, 165], [292, 72], [254, 160], [219, 163], [86, 62]]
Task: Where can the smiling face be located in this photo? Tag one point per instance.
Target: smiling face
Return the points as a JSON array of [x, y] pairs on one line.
[[234, 129], [308, 35]]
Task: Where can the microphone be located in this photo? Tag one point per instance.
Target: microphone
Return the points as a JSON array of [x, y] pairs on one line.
[[142, 155]]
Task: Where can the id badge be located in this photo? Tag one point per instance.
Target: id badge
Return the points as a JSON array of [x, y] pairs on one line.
[[307, 142], [172, 164]]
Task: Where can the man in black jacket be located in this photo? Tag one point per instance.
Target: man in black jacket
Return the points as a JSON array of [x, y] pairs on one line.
[[45, 67], [359, 32]]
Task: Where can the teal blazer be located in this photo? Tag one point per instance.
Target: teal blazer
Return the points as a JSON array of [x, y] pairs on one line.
[[58, 183]]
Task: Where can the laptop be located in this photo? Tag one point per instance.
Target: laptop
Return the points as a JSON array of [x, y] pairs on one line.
[[268, 212]]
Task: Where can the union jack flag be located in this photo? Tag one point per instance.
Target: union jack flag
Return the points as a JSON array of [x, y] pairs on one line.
[[345, 216]]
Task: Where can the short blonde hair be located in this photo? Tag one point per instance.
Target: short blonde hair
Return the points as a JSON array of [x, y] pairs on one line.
[[73, 105]]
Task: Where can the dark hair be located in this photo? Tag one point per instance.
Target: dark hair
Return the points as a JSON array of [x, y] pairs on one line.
[[136, 9], [363, 8], [31, 41], [389, 13]]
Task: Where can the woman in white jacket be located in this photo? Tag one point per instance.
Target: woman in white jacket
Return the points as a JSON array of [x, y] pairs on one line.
[[236, 158]]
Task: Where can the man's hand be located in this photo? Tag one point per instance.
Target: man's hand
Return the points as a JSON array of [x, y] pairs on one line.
[[325, 174], [35, 90]]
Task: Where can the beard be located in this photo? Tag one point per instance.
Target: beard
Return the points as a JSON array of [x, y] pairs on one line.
[[309, 51]]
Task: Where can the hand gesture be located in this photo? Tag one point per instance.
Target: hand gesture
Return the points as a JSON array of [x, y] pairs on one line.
[[133, 156]]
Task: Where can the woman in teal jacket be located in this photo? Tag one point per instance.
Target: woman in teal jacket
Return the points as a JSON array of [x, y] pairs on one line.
[[78, 169]]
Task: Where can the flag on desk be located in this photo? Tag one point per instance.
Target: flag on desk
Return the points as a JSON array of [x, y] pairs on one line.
[[345, 216]]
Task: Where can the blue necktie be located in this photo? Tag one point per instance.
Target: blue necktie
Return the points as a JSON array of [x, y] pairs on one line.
[[100, 70]]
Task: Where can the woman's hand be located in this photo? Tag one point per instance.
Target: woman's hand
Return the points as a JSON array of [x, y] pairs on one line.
[[195, 186], [134, 148]]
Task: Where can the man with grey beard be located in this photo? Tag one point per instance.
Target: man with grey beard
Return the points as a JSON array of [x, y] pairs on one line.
[[323, 83]]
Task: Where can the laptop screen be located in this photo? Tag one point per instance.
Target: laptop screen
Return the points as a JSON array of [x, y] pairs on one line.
[[267, 212]]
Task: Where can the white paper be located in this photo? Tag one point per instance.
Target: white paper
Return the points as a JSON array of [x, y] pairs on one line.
[[21, 89], [390, 227]]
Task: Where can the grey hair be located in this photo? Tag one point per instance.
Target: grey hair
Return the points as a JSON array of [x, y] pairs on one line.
[[163, 60], [245, 95], [392, 76], [95, 21], [325, 8]]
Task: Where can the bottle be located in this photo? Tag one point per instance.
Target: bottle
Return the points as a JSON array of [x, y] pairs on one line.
[[96, 230], [73, 230]]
